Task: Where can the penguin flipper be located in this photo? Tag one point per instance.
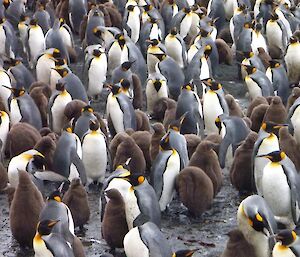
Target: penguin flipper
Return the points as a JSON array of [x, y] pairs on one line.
[[79, 166], [48, 175], [223, 102]]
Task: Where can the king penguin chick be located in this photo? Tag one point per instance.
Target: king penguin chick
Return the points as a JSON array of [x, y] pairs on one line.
[[192, 142], [164, 170], [46, 146], [240, 170], [193, 181], [256, 221], [94, 153], [293, 96], [255, 102], [74, 197], [159, 132], [206, 159], [257, 116], [276, 112], [3, 177], [114, 225], [287, 244], [25, 209], [234, 107]]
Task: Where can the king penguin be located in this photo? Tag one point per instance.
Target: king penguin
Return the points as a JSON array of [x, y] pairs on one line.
[[287, 244], [164, 170], [293, 120], [94, 153], [292, 61], [131, 22]]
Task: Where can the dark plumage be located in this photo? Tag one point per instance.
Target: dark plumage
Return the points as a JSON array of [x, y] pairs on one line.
[[224, 51], [115, 142], [206, 159], [25, 209], [264, 57], [142, 121], [46, 146], [255, 102], [257, 116], [21, 137], [170, 113], [195, 190], [77, 200], [276, 112], [114, 225], [3, 177], [192, 142], [293, 96], [73, 109], [234, 108], [159, 132], [240, 171]]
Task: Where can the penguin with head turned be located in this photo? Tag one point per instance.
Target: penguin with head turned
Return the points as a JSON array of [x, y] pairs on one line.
[[77, 9], [95, 19]]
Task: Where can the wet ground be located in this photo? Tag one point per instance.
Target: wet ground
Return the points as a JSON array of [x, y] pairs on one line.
[[206, 233]]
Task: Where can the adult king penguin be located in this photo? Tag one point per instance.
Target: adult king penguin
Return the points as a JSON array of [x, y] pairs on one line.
[[287, 244], [292, 60]]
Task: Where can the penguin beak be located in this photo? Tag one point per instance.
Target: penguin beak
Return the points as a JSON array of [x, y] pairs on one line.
[[281, 126], [52, 223]]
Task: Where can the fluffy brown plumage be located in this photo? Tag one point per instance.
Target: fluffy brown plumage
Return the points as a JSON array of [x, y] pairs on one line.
[[159, 109], [257, 116], [237, 246], [264, 57], [73, 109], [234, 107], [192, 142], [225, 52], [24, 211], [77, 200], [21, 137], [115, 142], [195, 190], [46, 146], [159, 132], [293, 96], [114, 225], [206, 159], [240, 171], [276, 111], [170, 113], [142, 121], [255, 102], [3, 177]]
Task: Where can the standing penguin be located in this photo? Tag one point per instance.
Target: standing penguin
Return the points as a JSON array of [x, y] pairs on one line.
[[56, 108], [25, 209], [287, 244], [156, 89], [190, 106], [154, 51], [214, 104], [168, 10], [131, 22], [176, 47], [23, 108], [93, 144], [4, 129], [183, 21], [8, 48], [280, 188], [292, 61], [120, 110], [35, 41], [257, 82], [164, 170], [77, 9], [67, 156], [96, 69]]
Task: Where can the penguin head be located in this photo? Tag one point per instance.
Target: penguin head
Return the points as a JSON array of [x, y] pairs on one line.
[[56, 196], [97, 52], [250, 69], [6, 3], [157, 84], [148, 7], [184, 253], [212, 84], [130, 8], [17, 92], [121, 40], [59, 62], [153, 42], [286, 237], [62, 71], [275, 156], [94, 125], [15, 62], [87, 109], [241, 7], [164, 144], [207, 51], [274, 64], [40, 6], [127, 65], [136, 179], [38, 161], [293, 40], [125, 84], [188, 87], [45, 227], [56, 54], [23, 17], [176, 124], [115, 89], [68, 128], [62, 21], [33, 22], [271, 127], [152, 20], [186, 10], [248, 54], [258, 27], [97, 32], [218, 124], [60, 86], [204, 33], [248, 25], [174, 31], [274, 17]]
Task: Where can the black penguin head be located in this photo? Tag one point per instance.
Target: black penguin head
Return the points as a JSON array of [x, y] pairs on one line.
[[258, 27], [164, 144], [248, 54], [274, 16], [94, 125], [161, 57], [275, 156], [153, 42], [186, 10], [121, 39], [176, 124], [293, 40], [248, 25], [286, 237], [188, 87], [157, 85], [250, 69], [115, 89], [125, 84], [274, 64], [148, 7], [184, 253], [45, 227], [130, 8], [136, 179], [96, 52], [212, 84], [17, 92], [204, 33], [62, 21], [38, 161], [23, 17], [56, 196], [126, 65], [218, 123], [15, 62], [61, 71], [68, 128], [271, 127], [60, 86], [97, 32], [174, 31], [59, 62], [241, 7], [33, 22], [88, 109], [207, 51], [56, 54]]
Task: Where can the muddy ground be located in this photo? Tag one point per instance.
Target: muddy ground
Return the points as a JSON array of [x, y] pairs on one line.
[[206, 233]]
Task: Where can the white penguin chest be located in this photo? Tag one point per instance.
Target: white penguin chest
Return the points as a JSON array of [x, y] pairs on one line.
[[66, 37], [152, 95], [133, 23], [133, 245], [292, 58], [2, 40], [115, 113], [54, 78], [258, 40], [155, 32], [274, 34], [114, 56], [253, 88], [36, 41], [121, 185], [191, 52], [169, 176], [43, 69], [40, 249], [185, 25], [15, 113], [279, 251], [16, 163], [132, 209], [174, 49], [57, 111], [97, 75], [4, 128], [276, 190], [269, 74], [204, 71]]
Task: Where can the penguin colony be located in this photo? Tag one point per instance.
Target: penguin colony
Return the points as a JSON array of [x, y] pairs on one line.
[[169, 130]]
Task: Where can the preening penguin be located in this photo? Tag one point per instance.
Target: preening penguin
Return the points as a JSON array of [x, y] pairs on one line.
[[164, 170]]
